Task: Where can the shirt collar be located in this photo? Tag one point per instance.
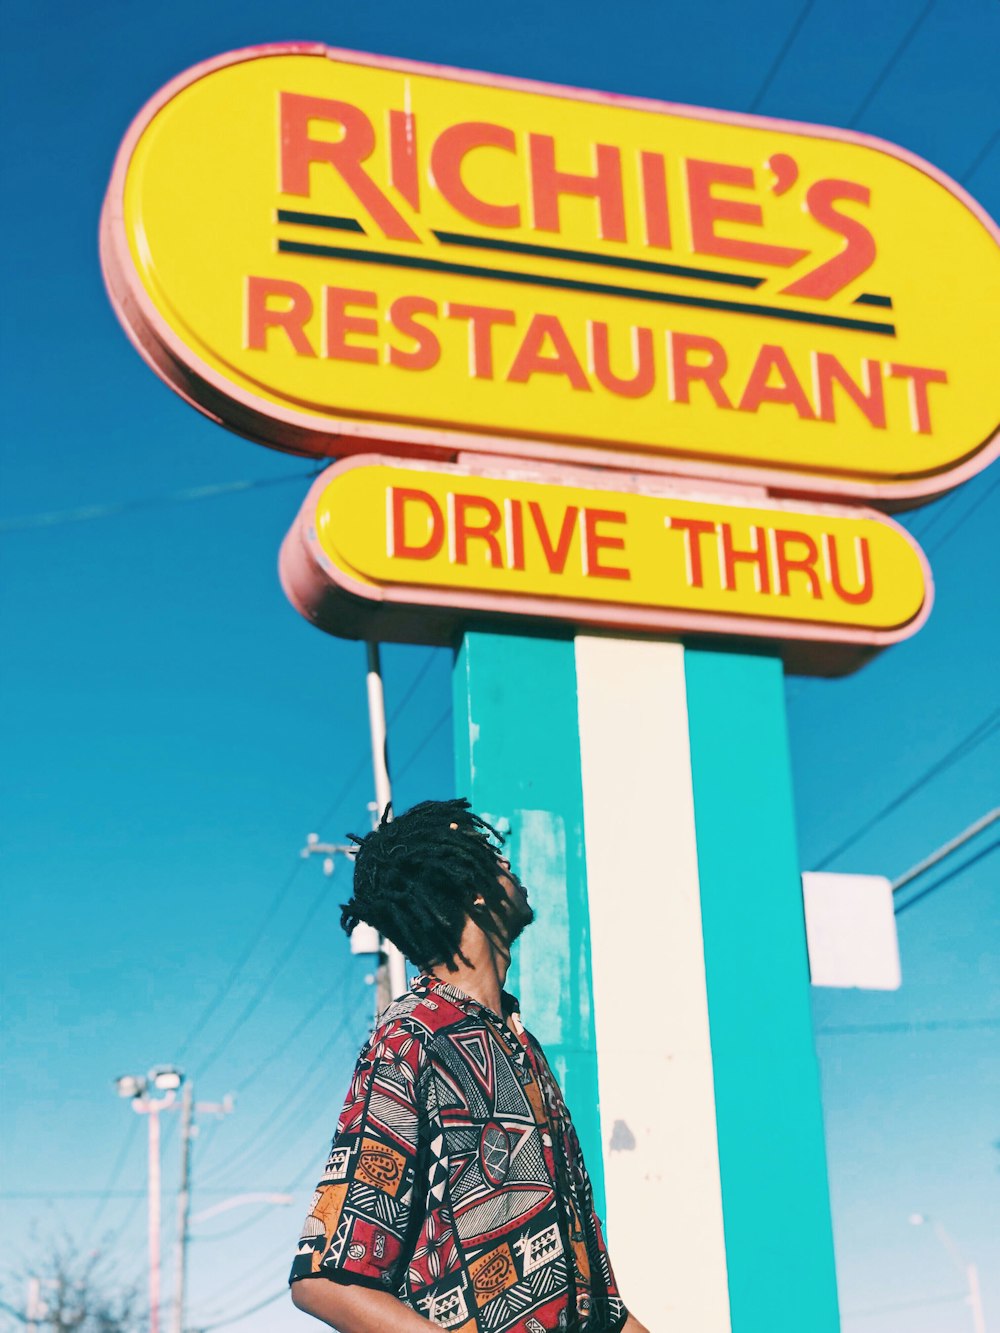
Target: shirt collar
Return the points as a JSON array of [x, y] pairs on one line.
[[426, 984]]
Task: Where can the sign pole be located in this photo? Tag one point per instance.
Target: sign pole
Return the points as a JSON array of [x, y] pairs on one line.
[[648, 793], [392, 967]]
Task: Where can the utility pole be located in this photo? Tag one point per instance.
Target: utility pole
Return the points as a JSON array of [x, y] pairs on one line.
[[152, 1107], [390, 970], [969, 1271], [390, 976], [183, 1206], [168, 1080], [165, 1079], [34, 1309], [189, 1129]]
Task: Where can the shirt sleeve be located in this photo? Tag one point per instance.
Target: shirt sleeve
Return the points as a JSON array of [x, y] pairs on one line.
[[369, 1197], [609, 1308]]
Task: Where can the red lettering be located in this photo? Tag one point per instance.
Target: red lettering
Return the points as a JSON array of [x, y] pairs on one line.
[[919, 377], [530, 361], [656, 212], [481, 321], [804, 564], [397, 545], [705, 210], [339, 324], [548, 185], [514, 523], [756, 556], [858, 254], [693, 529], [681, 371], [594, 544], [864, 563], [827, 371], [427, 352], [463, 530], [642, 358], [555, 555], [346, 155], [404, 174], [260, 317], [758, 390], [447, 155]]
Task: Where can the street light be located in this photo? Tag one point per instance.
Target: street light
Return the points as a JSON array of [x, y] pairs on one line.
[[238, 1201], [166, 1079], [969, 1271]]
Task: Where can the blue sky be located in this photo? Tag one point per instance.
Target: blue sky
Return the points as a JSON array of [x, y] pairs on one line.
[[173, 730]]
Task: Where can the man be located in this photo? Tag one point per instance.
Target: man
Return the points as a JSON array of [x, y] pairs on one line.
[[455, 1190]]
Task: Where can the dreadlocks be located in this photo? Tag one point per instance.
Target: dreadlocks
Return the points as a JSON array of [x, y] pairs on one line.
[[416, 878]]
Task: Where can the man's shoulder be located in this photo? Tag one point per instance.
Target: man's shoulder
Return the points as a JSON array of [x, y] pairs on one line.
[[416, 1016]]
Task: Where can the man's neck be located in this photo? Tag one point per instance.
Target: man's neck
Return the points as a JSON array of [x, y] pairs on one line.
[[484, 974]]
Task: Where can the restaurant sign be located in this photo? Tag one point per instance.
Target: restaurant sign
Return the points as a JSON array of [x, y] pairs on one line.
[[407, 547], [332, 253]]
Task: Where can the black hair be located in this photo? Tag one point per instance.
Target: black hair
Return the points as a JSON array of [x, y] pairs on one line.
[[416, 878]]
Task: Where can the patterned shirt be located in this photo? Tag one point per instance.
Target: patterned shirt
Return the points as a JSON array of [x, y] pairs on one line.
[[455, 1179]]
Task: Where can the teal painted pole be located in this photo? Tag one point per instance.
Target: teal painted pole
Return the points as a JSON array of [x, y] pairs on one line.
[[517, 758], [772, 1156]]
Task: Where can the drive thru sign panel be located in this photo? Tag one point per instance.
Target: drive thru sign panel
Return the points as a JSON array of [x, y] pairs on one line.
[[397, 547]]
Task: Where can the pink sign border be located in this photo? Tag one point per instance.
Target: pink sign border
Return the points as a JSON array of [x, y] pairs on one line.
[[317, 588], [307, 434]]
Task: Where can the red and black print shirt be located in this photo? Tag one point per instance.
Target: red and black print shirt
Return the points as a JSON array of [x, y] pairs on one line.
[[455, 1180]]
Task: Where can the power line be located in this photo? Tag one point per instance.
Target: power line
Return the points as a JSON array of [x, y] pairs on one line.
[[128, 1138], [982, 731], [265, 985], [904, 1305], [980, 157], [946, 879], [413, 686], [126, 1221], [887, 68], [432, 730], [250, 1148], [220, 995], [365, 759], [243, 1314], [58, 518], [292, 1186], [198, 1239], [940, 509], [948, 849], [93, 1194], [220, 1301], [278, 901], [283, 1045], [783, 51], [928, 1025], [207, 1137], [979, 502]]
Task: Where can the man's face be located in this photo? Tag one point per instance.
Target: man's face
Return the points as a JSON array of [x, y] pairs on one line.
[[518, 912]]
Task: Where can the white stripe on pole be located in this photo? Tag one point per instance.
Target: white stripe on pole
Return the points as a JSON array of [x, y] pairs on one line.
[[665, 1224], [383, 792]]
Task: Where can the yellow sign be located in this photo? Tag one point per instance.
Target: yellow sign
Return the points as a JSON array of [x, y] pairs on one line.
[[325, 250], [400, 535]]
